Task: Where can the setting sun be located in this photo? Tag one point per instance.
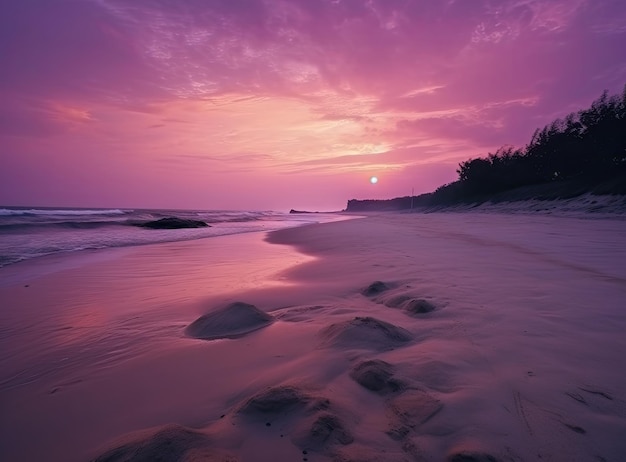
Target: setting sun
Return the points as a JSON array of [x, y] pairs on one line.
[[374, 180]]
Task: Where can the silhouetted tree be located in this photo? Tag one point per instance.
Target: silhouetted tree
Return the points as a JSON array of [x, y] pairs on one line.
[[589, 145]]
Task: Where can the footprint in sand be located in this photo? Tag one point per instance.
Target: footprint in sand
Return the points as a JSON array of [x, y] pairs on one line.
[[232, 321], [311, 421], [377, 376], [411, 305], [598, 400], [540, 421], [412, 409], [320, 432], [408, 407]]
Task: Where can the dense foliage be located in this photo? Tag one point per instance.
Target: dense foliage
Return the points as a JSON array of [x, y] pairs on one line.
[[585, 151], [588, 145]]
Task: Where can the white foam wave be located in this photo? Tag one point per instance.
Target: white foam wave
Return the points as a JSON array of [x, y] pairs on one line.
[[16, 212]]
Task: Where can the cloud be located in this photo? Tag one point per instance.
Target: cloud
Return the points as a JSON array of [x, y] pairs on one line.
[[325, 87]]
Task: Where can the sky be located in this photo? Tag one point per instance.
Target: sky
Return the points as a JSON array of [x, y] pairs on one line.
[[279, 104]]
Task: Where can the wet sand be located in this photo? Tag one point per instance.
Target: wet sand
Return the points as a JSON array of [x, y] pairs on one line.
[[395, 337]]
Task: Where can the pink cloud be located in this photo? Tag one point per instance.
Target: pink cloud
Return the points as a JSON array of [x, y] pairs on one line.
[[271, 95]]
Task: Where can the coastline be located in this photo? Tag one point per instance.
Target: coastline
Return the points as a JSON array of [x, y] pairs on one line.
[[519, 356]]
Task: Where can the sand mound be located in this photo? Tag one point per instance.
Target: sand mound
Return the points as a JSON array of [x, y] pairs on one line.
[[231, 321], [280, 400], [322, 431], [412, 306], [369, 333], [375, 288], [173, 443], [376, 375], [471, 457], [418, 306], [397, 301], [414, 408]]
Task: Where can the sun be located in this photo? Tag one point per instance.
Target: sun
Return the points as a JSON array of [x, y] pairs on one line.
[[374, 180]]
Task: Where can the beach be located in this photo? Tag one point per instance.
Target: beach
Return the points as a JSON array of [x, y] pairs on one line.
[[392, 337]]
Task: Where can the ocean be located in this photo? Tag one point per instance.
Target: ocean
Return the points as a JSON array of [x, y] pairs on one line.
[[27, 233]]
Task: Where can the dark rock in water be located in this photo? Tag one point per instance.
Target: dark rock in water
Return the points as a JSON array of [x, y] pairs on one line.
[[375, 288], [173, 223], [375, 375], [231, 321], [300, 211], [173, 443], [419, 306]]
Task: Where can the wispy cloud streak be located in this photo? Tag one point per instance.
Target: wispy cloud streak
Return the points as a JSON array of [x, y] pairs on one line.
[[258, 92]]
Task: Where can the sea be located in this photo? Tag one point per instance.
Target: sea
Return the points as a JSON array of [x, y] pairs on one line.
[[27, 233]]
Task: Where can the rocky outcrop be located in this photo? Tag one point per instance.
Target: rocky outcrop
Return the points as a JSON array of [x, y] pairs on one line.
[[173, 223]]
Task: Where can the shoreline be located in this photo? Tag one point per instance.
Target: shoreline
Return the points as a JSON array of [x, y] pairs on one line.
[[522, 329]]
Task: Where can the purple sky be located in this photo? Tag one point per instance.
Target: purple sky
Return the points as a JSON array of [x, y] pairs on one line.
[[273, 104]]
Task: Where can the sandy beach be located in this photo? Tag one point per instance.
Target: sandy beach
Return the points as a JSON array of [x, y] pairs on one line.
[[394, 337]]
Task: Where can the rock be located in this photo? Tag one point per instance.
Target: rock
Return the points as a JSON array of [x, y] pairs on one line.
[[173, 223]]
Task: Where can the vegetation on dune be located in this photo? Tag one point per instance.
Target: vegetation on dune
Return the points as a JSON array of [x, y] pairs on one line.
[[584, 152]]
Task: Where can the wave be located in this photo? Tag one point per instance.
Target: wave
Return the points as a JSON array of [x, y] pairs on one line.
[[62, 225], [27, 237], [34, 212], [22, 225]]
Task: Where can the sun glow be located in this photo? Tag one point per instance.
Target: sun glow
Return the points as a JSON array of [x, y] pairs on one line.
[[374, 180]]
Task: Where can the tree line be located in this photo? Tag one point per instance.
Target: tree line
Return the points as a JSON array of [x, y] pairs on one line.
[[584, 152], [588, 146]]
